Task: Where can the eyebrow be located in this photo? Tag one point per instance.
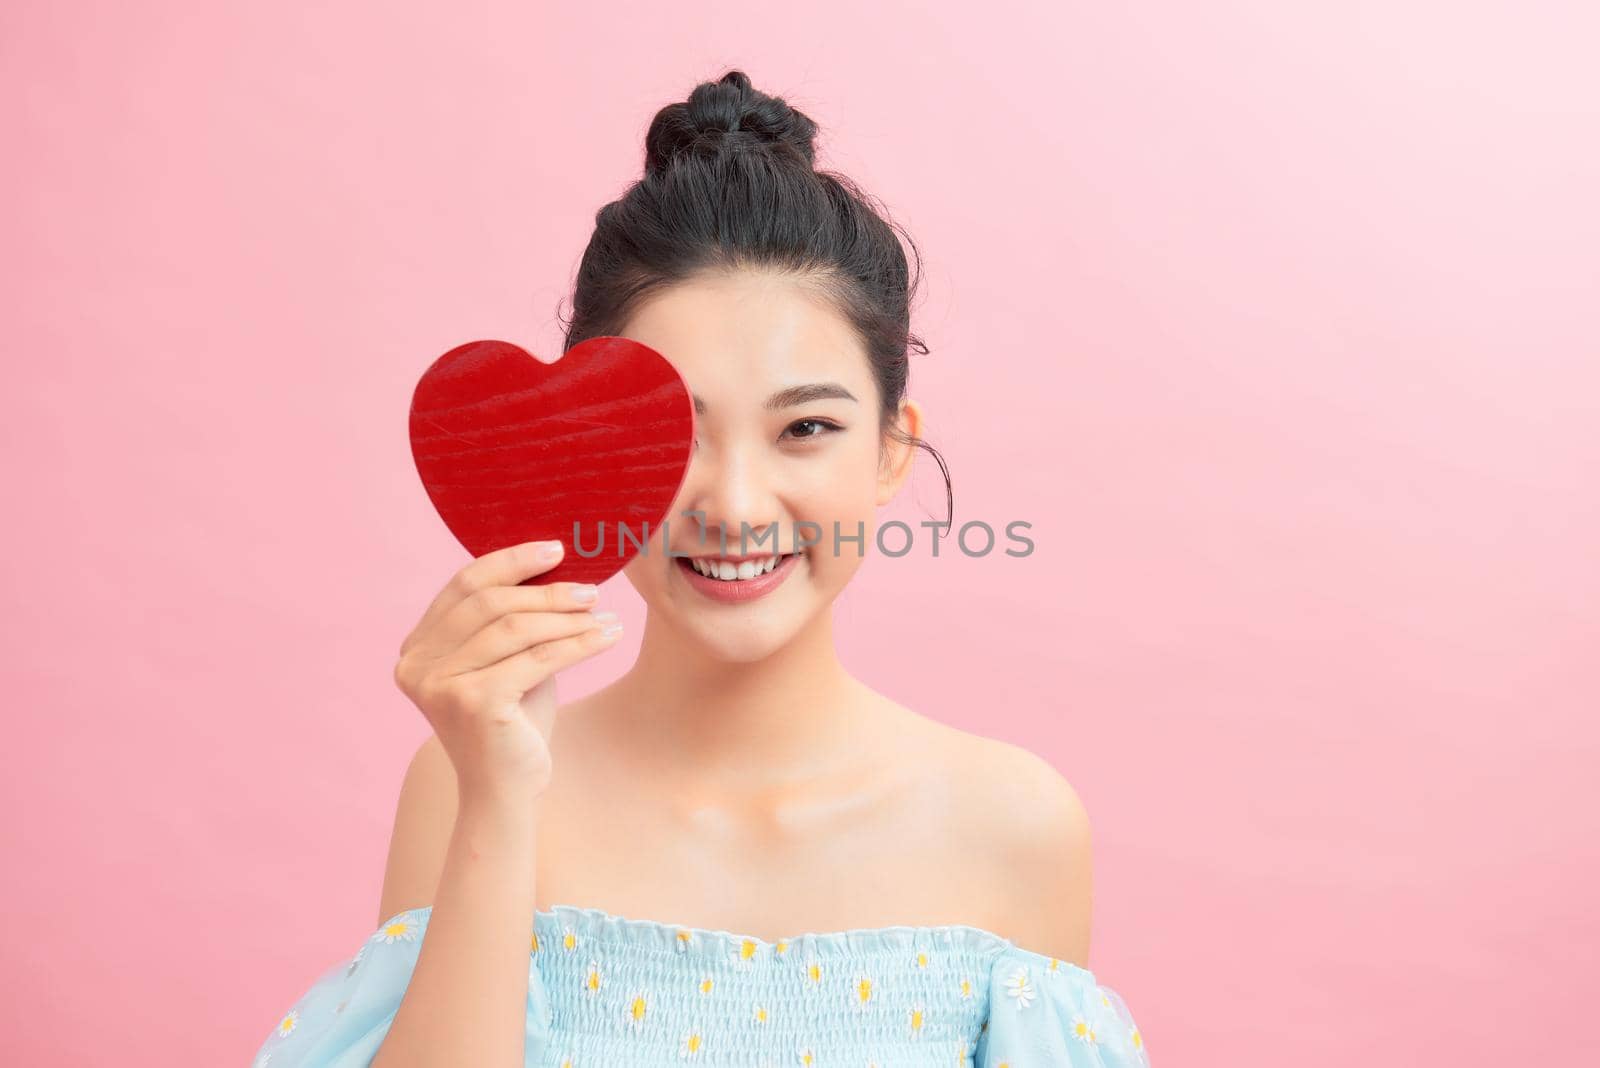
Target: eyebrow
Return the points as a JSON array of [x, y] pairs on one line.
[[793, 395]]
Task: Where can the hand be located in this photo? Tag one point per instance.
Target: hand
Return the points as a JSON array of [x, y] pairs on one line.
[[482, 661]]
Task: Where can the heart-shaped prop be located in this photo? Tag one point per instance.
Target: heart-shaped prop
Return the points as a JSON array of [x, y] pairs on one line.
[[513, 449]]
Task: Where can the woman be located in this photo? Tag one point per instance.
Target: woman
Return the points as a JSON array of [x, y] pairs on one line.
[[667, 847]]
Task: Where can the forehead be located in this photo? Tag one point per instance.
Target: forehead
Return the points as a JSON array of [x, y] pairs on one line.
[[762, 327]]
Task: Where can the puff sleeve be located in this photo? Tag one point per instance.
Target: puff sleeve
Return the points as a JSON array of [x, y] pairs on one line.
[[1049, 1013], [343, 1018]]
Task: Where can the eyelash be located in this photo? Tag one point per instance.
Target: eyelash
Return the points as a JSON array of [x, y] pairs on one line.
[[828, 425]]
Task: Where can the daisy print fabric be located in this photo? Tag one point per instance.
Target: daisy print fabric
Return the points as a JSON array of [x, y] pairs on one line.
[[606, 991], [1049, 1013]]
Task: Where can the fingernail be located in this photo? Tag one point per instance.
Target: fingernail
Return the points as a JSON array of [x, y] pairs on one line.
[[586, 593], [549, 550], [610, 631]]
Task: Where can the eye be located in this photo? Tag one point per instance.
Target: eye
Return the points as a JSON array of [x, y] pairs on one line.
[[826, 426]]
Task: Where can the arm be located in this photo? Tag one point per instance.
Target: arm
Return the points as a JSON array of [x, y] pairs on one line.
[[481, 666], [466, 1002]]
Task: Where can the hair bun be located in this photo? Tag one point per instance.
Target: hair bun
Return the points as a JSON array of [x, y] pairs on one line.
[[725, 115]]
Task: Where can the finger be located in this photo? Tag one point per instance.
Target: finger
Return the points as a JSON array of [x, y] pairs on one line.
[[514, 632], [514, 676], [484, 607], [502, 567]]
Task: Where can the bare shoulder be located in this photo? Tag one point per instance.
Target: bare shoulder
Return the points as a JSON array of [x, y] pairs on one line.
[[425, 816], [1025, 820]]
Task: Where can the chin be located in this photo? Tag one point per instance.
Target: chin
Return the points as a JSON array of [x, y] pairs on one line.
[[743, 638], [745, 648]]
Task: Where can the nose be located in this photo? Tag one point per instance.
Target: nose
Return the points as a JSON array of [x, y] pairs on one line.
[[727, 490]]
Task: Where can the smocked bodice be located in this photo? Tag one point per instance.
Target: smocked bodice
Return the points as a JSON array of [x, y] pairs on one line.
[[624, 987], [607, 991]]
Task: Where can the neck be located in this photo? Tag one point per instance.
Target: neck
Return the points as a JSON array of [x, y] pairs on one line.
[[740, 726]]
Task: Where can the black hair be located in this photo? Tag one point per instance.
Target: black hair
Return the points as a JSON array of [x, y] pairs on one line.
[[729, 182]]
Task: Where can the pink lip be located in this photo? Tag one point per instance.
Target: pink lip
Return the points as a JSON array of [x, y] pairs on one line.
[[739, 590]]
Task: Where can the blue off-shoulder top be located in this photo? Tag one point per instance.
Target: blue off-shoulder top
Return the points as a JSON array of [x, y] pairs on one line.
[[607, 991]]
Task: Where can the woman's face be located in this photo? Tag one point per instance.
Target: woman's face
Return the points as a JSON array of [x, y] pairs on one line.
[[787, 434]]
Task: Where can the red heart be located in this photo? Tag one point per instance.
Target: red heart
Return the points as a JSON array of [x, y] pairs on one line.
[[513, 449]]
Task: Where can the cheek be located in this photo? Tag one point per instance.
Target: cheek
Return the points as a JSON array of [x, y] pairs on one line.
[[645, 571], [846, 494], [845, 487], [840, 508], [642, 581]]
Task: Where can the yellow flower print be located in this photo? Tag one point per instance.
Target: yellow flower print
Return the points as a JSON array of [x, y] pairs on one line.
[[704, 986], [591, 978], [569, 938], [566, 1062], [638, 1005], [1020, 988], [781, 946], [684, 938], [744, 952], [807, 1057], [288, 1023], [916, 1020], [922, 959], [1083, 1031], [400, 929], [534, 945], [966, 987], [693, 1042], [1138, 1039], [863, 989], [1054, 968], [814, 971], [760, 1014]]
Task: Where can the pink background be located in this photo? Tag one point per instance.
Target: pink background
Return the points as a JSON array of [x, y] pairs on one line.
[[1277, 322]]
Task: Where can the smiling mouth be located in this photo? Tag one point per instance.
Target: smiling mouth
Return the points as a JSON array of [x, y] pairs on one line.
[[725, 570]]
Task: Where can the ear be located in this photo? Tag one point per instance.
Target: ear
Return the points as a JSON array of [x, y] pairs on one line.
[[895, 466]]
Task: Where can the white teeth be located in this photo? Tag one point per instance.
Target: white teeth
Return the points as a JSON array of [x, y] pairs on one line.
[[728, 571]]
